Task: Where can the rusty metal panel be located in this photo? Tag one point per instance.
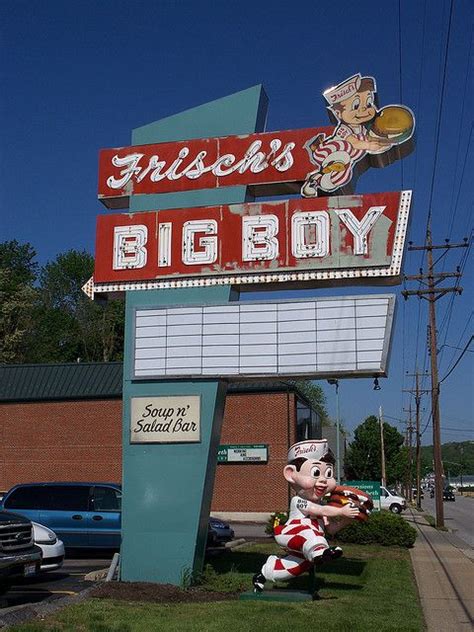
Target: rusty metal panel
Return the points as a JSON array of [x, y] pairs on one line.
[[338, 238], [252, 159]]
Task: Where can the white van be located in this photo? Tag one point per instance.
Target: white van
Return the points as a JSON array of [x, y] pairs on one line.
[[392, 502]]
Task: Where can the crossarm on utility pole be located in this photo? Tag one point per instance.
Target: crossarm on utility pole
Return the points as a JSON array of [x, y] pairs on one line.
[[441, 291]]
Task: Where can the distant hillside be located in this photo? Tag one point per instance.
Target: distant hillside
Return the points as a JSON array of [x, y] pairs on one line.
[[454, 455]]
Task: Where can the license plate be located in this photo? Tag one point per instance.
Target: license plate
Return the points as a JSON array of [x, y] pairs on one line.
[[30, 569]]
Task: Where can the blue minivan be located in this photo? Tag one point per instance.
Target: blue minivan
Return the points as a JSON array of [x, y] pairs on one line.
[[81, 514]]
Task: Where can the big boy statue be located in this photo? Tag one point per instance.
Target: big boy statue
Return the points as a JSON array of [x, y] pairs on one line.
[[310, 472]]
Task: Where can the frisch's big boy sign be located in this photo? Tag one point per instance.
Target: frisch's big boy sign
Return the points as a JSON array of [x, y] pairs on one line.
[[319, 238]]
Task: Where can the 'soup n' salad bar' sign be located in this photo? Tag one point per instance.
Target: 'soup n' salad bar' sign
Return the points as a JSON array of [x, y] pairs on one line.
[[166, 419]]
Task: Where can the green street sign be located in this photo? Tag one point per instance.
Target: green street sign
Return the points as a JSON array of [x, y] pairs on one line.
[[253, 453], [371, 487]]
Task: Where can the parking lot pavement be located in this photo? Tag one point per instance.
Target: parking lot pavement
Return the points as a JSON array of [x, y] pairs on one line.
[[249, 530], [69, 580]]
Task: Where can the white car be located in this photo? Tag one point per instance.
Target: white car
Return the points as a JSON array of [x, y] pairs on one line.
[[51, 547]]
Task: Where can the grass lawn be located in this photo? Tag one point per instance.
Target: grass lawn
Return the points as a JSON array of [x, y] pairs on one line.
[[370, 589]]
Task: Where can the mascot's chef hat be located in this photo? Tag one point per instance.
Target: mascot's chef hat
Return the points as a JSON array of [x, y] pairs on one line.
[[311, 449], [344, 90]]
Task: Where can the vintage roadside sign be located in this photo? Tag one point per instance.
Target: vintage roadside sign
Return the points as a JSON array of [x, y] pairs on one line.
[[165, 419], [254, 453], [324, 237], [370, 487], [197, 340], [329, 240], [316, 161]]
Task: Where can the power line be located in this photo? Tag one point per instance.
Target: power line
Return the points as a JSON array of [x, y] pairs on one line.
[[453, 215], [427, 423], [400, 66], [458, 360], [449, 311], [440, 115]]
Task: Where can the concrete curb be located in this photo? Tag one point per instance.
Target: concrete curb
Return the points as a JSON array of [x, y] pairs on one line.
[[23, 614], [449, 534], [443, 575], [96, 576], [235, 543]]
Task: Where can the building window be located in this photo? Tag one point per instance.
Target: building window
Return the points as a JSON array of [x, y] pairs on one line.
[[308, 423]]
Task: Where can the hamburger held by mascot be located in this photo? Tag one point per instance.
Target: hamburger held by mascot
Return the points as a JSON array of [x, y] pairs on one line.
[[343, 495]]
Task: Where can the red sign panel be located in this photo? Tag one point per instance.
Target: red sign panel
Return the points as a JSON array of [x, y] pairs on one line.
[[254, 159], [327, 238]]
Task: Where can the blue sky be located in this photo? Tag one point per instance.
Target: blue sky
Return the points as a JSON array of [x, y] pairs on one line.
[[79, 76]]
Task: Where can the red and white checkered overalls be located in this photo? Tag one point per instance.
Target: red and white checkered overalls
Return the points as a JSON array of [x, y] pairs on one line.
[[303, 538], [335, 145]]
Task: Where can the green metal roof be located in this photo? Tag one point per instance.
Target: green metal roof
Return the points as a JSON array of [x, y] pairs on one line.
[[87, 380], [84, 380]]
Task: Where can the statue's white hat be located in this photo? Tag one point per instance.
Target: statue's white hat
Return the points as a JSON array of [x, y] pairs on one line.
[[313, 449], [343, 90]]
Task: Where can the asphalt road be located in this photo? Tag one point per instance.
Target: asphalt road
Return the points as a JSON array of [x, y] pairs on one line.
[[458, 515], [69, 580]]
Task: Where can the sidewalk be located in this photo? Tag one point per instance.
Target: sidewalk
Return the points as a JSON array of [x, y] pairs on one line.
[[444, 571]]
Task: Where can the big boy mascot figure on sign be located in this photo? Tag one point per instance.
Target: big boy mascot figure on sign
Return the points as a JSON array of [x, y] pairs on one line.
[[361, 129], [310, 472]]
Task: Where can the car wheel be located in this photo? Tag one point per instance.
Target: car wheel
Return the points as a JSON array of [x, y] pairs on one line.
[[395, 509]]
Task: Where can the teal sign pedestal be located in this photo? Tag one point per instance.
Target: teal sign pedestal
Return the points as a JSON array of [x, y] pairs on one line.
[[167, 488]]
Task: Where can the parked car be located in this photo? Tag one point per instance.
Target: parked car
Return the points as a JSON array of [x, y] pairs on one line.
[[81, 514], [51, 548], [392, 501], [448, 494], [222, 531], [19, 556], [85, 515]]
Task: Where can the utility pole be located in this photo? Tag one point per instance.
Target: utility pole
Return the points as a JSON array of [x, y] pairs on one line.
[[432, 293], [418, 392], [382, 448], [410, 456], [335, 383]]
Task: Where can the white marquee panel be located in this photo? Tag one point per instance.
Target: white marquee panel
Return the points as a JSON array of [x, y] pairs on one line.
[[310, 338]]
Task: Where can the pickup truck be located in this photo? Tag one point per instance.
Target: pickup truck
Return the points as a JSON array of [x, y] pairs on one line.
[[391, 501], [19, 556]]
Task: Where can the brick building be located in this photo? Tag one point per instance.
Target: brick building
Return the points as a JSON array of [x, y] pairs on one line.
[[63, 422]]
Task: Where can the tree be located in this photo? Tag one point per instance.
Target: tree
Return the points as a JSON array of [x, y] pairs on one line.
[[16, 260], [45, 316], [458, 457], [316, 397], [70, 326], [17, 299], [363, 458]]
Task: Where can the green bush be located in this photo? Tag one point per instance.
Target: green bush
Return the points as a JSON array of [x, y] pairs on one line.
[[280, 516], [382, 528]]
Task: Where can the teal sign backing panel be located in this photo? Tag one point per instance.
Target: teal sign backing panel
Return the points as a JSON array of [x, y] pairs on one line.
[[167, 488]]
